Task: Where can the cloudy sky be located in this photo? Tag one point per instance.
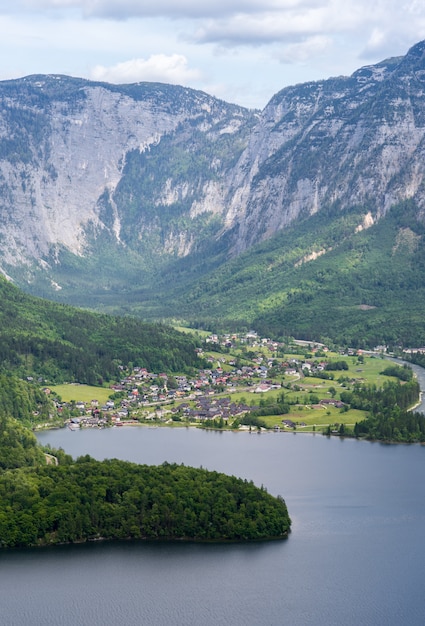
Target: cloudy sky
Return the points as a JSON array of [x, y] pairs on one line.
[[242, 51]]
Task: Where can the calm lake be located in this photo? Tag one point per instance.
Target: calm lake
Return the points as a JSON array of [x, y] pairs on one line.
[[356, 554]]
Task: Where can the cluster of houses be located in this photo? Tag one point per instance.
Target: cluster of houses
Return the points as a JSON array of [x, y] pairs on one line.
[[144, 388], [93, 415], [136, 393], [169, 396], [213, 408]]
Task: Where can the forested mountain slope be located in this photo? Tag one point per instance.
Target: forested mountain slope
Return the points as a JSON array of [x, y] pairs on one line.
[[62, 343], [325, 277]]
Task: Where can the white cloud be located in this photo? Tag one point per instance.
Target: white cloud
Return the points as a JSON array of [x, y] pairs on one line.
[[304, 50], [262, 29], [157, 68], [183, 9], [376, 41], [233, 23], [241, 50]]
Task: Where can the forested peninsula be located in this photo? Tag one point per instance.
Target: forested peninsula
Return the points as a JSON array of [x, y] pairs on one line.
[[88, 500]]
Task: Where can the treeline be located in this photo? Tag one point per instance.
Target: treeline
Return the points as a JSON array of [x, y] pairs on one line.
[[62, 343], [402, 373], [380, 399], [24, 401], [418, 358], [393, 425], [336, 366], [91, 500], [18, 446], [388, 418], [279, 405]]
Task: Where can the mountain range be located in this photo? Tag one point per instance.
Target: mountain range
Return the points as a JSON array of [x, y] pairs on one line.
[[305, 218]]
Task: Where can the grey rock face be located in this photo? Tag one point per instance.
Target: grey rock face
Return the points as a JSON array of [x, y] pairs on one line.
[[158, 168], [345, 141], [64, 144]]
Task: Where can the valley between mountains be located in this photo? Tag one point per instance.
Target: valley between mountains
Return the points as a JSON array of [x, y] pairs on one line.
[[304, 219], [145, 230]]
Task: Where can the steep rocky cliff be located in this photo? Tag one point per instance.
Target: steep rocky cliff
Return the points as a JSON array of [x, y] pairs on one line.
[[147, 174], [340, 142], [81, 159]]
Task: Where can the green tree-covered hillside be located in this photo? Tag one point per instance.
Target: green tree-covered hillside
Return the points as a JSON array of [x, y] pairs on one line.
[[327, 276], [18, 446], [62, 343], [89, 499]]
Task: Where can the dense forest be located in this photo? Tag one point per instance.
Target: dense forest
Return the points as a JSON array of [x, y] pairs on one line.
[[18, 446], [24, 401], [323, 277], [388, 416], [393, 425], [61, 343], [46, 497], [365, 291], [415, 357], [90, 500]]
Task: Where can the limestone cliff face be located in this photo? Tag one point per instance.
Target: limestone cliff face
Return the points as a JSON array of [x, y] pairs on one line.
[[344, 141], [159, 170], [63, 149]]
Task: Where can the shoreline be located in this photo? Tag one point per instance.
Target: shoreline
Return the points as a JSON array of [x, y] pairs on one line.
[[254, 432]]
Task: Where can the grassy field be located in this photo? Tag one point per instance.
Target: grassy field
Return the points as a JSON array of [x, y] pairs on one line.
[[81, 393], [315, 419], [310, 417], [203, 334]]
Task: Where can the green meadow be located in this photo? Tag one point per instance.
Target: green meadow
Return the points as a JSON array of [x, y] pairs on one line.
[[304, 393], [81, 393]]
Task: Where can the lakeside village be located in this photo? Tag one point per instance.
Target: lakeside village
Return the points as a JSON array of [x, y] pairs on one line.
[[219, 396]]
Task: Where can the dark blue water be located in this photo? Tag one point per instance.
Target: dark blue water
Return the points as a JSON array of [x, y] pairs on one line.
[[356, 554]]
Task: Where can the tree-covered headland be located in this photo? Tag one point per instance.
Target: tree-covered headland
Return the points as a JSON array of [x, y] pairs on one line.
[[48, 498], [83, 500]]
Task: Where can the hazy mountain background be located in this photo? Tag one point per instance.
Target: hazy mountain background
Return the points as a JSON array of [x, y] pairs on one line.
[[306, 218]]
